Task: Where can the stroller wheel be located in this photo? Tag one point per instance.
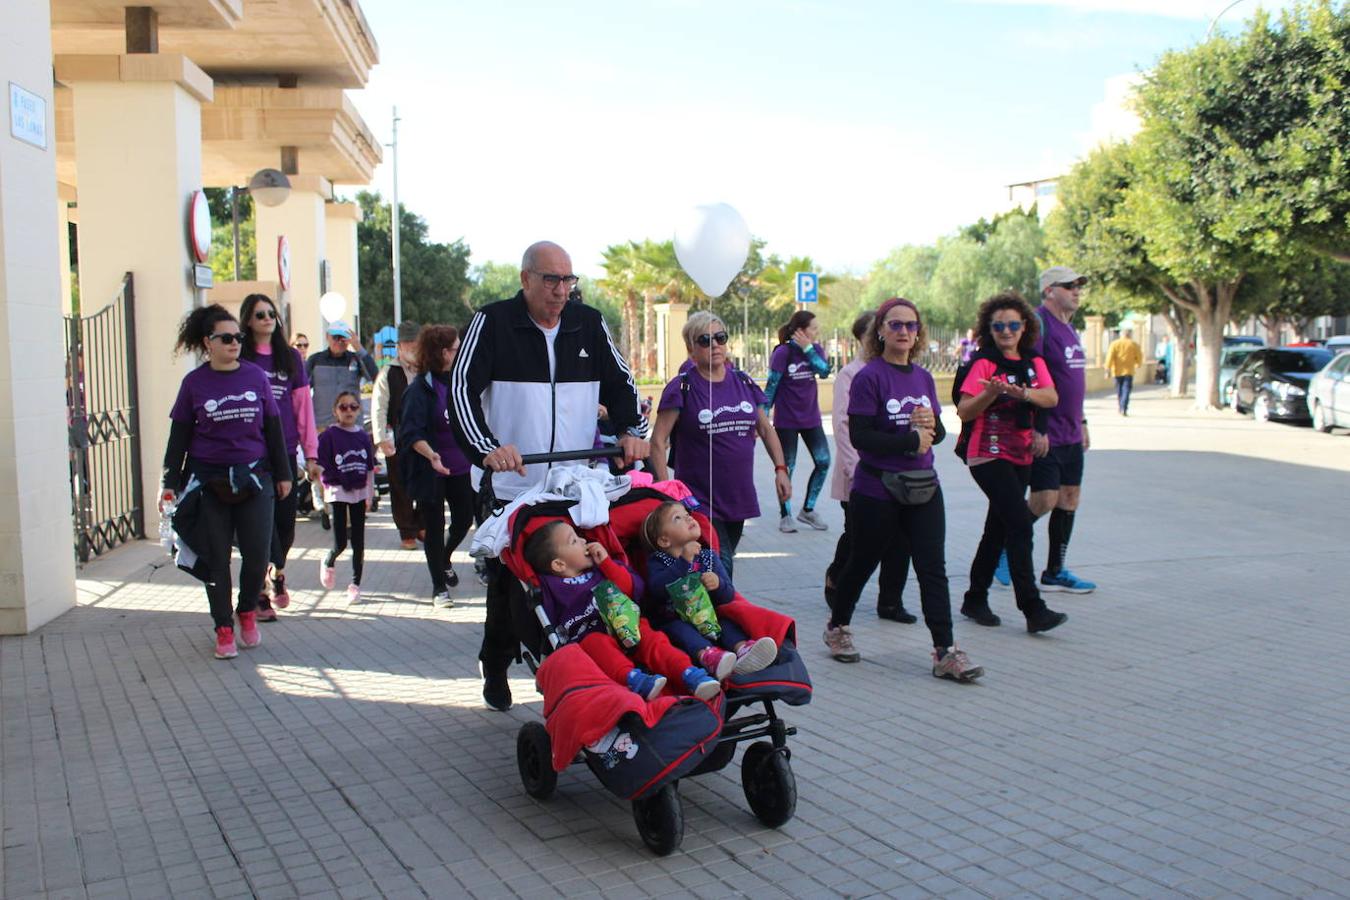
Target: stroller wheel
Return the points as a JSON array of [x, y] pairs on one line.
[[660, 820], [770, 787], [534, 757]]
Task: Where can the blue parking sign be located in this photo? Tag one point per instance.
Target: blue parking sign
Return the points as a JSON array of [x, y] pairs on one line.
[[807, 287]]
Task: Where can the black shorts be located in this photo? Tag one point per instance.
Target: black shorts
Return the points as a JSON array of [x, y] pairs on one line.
[[1063, 465]]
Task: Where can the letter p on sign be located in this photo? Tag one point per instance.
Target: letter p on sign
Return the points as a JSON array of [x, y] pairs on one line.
[[807, 287]]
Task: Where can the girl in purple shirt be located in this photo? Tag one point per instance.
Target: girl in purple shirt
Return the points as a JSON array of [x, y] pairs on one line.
[[347, 458], [791, 393], [894, 421]]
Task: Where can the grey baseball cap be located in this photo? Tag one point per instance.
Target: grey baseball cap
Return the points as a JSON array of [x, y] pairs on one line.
[[1061, 275]]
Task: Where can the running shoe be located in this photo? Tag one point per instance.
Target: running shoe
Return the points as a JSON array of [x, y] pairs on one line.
[[812, 518], [249, 636], [840, 641], [753, 655], [981, 614], [1067, 582], [327, 577], [700, 683], [896, 613], [265, 611], [443, 600], [280, 598], [451, 578], [225, 648], [785, 525], [717, 661], [1001, 573], [645, 684], [1045, 621], [954, 664], [353, 593]]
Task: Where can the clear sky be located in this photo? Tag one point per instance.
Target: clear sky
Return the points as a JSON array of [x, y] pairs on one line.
[[839, 129]]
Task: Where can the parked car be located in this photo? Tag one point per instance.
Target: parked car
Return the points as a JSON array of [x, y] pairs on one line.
[[1250, 340], [1338, 344], [1230, 358], [1329, 395], [1273, 382]]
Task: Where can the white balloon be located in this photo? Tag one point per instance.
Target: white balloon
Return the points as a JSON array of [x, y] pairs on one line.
[[332, 305], [712, 243]]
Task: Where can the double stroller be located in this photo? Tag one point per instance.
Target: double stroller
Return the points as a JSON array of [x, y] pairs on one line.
[[641, 750]]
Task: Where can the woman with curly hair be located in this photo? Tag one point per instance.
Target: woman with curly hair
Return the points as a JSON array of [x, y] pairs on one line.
[[1006, 382], [435, 471]]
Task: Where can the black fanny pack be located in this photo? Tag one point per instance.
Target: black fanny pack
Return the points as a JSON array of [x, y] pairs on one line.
[[914, 487]]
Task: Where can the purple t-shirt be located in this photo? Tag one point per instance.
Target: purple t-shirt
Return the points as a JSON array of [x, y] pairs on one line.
[[570, 602], [346, 457], [445, 444], [282, 385], [1067, 362], [717, 423], [890, 394], [796, 404], [226, 411]]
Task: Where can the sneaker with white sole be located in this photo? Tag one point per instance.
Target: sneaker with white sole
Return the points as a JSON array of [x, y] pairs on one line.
[[353, 593], [812, 518], [249, 636], [327, 575], [281, 598], [225, 647], [785, 525], [717, 661], [1066, 582], [955, 665], [840, 641], [753, 655], [645, 684], [443, 600], [700, 683]]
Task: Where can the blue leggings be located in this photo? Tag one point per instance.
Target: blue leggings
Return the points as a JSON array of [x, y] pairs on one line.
[[819, 446]]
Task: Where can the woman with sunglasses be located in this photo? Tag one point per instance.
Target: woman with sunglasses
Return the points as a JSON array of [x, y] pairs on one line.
[[435, 470], [791, 391], [267, 348], [1006, 382], [225, 461], [714, 412], [894, 420]]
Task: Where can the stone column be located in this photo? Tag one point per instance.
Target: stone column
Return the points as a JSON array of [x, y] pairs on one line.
[[670, 352], [138, 158], [65, 194], [37, 563], [1094, 330], [340, 223], [301, 219]]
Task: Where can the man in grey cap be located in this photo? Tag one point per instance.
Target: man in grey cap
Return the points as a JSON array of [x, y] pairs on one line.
[[1061, 436], [386, 402]]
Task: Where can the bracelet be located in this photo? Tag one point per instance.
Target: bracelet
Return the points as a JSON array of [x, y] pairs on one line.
[[780, 468]]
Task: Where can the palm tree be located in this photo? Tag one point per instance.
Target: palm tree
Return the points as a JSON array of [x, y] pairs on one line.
[[779, 282], [621, 278]]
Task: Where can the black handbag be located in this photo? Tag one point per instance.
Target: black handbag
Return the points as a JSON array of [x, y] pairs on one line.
[[914, 487]]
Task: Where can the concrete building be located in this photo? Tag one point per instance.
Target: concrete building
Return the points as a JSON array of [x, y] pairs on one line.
[[148, 105]]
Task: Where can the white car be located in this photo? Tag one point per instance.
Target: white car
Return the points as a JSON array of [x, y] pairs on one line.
[[1338, 344], [1329, 395]]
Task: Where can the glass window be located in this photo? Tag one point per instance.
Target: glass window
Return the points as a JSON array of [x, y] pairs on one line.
[[1293, 361]]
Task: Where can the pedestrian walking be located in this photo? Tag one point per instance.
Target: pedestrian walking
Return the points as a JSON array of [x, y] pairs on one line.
[[713, 412], [895, 560], [791, 393], [1122, 358], [267, 348], [224, 466], [999, 391], [894, 420], [347, 458], [386, 406]]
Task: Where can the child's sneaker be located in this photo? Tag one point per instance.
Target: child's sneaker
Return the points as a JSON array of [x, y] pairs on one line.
[[717, 661], [280, 598], [753, 655], [646, 684], [225, 648], [353, 593], [249, 636], [700, 683], [327, 575]]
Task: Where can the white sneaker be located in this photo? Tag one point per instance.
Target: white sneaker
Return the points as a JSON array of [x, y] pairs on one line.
[[353, 593], [443, 600], [812, 518], [785, 525]]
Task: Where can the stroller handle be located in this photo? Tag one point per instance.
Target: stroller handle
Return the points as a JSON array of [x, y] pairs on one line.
[[487, 499]]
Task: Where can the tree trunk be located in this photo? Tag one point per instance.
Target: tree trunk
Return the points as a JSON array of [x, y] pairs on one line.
[[1180, 329], [648, 335], [1214, 306]]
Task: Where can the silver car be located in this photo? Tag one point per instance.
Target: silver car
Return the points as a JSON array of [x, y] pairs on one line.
[[1329, 395]]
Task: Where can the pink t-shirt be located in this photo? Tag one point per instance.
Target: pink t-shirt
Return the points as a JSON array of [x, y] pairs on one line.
[[996, 433]]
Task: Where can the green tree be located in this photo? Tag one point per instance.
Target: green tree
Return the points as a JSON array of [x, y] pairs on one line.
[[493, 281], [435, 277]]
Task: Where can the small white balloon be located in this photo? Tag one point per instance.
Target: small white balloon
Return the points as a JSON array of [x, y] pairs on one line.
[[712, 243], [332, 305]]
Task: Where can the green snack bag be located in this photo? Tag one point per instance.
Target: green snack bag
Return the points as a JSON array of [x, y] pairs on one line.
[[693, 605], [619, 612]]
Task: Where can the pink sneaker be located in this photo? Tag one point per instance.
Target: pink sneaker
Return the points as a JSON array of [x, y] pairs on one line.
[[225, 648], [717, 661], [249, 636], [353, 593], [327, 575], [280, 598], [753, 655]]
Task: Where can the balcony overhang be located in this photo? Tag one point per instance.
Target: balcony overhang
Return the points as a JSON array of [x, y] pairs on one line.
[[105, 15]]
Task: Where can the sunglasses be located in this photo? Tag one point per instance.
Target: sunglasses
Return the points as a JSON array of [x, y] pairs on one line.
[[1014, 327], [261, 314], [897, 325], [349, 407], [706, 340], [302, 346], [227, 339], [1071, 285]]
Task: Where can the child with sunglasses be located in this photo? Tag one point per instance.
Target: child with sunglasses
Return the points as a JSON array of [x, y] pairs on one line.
[[347, 457]]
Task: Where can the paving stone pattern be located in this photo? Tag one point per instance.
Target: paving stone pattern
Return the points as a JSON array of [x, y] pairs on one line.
[[1184, 734]]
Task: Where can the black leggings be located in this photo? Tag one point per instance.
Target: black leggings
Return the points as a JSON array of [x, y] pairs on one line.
[[342, 514], [456, 492], [250, 525], [894, 565], [728, 539], [884, 526], [819, 447], [1007, 524], [283, 521]]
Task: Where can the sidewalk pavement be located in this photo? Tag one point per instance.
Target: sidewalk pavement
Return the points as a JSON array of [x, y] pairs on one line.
[[1183, 734]]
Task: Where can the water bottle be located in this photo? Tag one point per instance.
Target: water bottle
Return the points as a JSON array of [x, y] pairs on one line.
[[166, 536]]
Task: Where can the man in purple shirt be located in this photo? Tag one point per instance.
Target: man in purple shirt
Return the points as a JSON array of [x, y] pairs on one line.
[[1061, 438]]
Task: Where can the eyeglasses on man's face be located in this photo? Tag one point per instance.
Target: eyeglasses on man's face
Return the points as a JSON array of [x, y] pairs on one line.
[[1071, 285], [706, 340], [896, 325], [552, 281], [1013, 327]]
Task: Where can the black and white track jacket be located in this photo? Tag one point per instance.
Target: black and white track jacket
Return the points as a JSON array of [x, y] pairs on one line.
[[501, 391]]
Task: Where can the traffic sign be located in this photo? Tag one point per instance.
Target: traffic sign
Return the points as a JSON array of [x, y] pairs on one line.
[[807, 287]]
